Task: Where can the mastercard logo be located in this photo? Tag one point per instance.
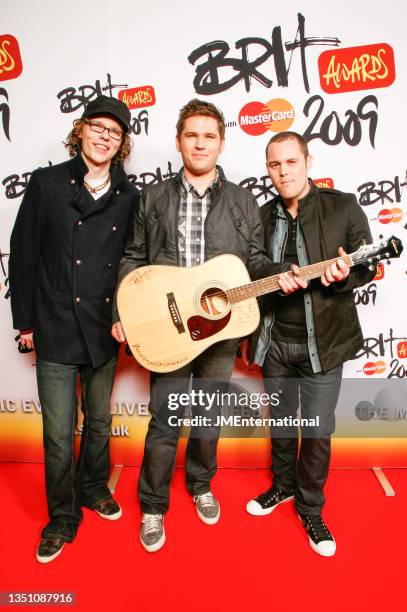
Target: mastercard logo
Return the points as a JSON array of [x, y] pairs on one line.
[[277, 115], [374, 367], [390, 215]]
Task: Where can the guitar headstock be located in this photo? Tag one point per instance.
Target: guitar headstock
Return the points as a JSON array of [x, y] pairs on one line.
[[371, 254]]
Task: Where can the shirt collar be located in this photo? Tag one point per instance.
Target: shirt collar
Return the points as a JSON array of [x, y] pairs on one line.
[[79, 169], [189, 187]]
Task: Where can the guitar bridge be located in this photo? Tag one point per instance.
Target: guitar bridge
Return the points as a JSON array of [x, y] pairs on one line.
[[174, 313]]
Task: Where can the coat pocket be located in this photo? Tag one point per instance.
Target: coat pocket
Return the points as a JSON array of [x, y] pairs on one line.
[[240, 222]]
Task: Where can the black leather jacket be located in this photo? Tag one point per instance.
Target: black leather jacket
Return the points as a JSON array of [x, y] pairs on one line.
[[233, 225], [329, 219]]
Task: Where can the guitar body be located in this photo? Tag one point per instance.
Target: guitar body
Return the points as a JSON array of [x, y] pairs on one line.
[[170, 315]]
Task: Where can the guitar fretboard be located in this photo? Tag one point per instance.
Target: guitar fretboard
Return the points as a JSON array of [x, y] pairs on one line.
[[270, 283]]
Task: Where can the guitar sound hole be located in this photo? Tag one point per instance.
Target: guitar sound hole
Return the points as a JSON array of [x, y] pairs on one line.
[[214, 302]]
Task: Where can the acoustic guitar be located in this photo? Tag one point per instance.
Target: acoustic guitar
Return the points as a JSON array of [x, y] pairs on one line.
[[170, 315]]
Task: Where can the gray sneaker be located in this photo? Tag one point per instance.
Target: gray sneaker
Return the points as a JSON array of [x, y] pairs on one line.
[[207, 507], [152, 534]]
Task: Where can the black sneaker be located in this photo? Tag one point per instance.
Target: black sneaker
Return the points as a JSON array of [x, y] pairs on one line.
[[319, 537], [49, 548], [266, 502], [108, 508]]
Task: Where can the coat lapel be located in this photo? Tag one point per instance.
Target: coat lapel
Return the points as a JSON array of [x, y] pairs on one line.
[[82, 199]]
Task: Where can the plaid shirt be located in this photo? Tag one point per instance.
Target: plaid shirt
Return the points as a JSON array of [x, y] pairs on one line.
[[191, 222]]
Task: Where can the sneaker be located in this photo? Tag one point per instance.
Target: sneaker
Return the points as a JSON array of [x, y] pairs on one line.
[[207, 507], [319, 537], [108, 508], [49, 548], [152, 534], [266, 502]]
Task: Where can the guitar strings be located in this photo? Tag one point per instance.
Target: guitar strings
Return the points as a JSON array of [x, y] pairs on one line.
[[270, 284]]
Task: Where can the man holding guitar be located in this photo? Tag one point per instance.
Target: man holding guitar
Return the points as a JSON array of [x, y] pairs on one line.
[[185, 221], [306, 337]]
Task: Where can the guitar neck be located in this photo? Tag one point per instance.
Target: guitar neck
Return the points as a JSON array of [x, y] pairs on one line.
[[270, 283]]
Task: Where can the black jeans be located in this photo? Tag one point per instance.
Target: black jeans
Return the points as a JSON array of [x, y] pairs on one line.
[[287, 370], [216, 365], [71, 486]]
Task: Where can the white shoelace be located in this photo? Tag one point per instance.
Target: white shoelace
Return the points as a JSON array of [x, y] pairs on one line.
[[206, 499], [151, 522]]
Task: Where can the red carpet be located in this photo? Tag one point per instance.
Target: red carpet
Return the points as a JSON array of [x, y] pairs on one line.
[[242, 563]]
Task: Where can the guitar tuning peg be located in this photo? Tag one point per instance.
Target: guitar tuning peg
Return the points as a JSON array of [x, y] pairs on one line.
[[363, 242], [371, 268]]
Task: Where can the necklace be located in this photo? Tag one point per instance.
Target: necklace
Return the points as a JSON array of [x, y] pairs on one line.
[[98, 187]]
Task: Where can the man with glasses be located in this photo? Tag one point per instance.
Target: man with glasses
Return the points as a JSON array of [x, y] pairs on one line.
[[65, 250]]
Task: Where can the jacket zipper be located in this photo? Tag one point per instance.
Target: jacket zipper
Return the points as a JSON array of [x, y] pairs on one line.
[[221, 183]]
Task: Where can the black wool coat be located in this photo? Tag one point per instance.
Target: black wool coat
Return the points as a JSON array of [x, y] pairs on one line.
[[65, 252]]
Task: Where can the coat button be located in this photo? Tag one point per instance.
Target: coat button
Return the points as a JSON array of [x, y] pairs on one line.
[[107, 300], [118, 192], [114, 228], [79, 222], [78, 262], [77, 300], [109, 265], [72, 181]]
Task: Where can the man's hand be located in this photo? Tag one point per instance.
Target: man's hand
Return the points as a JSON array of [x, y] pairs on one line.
[[26, 340], [336, 272], [117, 332], [288, 283]]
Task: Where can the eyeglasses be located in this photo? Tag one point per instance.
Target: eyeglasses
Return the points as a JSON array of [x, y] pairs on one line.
[[99, 129]]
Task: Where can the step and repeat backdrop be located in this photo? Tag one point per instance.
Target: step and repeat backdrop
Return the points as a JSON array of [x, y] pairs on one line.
[[335, 74]]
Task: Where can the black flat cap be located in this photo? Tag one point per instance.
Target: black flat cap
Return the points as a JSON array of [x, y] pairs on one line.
[[104, 105]]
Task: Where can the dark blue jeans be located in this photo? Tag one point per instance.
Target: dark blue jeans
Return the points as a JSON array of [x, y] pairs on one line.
[[69, 485], [303, 470], [211, 369]]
